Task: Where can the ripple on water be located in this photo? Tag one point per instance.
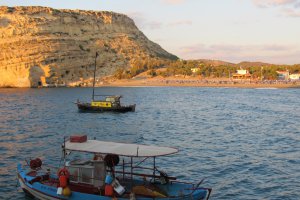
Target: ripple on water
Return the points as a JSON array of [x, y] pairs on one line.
[[245, 142]]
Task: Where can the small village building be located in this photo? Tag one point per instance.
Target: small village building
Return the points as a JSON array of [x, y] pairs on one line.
[[241, 74], [195, 70], [294, 77], [283, 75]]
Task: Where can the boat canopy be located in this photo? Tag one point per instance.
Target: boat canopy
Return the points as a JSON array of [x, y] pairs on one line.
[[122, 149]]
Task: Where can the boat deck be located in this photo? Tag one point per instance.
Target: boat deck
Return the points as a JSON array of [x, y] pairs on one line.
[[141, 188]]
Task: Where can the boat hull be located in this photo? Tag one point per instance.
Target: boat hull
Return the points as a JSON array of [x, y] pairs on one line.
[[46, 192], [86, 107]]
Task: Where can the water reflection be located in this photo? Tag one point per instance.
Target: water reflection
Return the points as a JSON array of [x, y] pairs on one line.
[[245, 141]]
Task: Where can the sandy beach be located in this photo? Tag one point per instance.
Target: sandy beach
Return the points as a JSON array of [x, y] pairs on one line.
[[196, 82]]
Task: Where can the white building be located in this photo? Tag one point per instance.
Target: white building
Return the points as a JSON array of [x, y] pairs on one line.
[[194, 70], [294, 77], [242, 71], [241, 74]]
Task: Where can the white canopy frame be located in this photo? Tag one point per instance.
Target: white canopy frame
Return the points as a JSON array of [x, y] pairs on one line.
[[121, 149]]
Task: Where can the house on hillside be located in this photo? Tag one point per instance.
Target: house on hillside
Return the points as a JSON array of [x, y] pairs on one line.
[[294, 77], [195, 70], [283, 75], [241, 74]]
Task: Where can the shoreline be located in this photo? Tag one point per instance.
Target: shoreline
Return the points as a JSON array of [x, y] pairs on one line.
[[189, 82], [199, 83]]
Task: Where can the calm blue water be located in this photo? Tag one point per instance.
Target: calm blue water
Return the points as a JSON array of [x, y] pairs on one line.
[[246, 142]]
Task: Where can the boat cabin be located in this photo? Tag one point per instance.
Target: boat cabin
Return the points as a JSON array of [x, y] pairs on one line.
[[91, 172], [108, 102]]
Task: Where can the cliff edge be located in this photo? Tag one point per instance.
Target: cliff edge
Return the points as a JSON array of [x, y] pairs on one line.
[[44, 45]]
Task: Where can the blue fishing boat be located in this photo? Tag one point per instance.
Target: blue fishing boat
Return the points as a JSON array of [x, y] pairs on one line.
[[115, 171]]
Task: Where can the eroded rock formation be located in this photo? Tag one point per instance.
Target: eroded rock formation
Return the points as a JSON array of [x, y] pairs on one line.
[[40, 44]]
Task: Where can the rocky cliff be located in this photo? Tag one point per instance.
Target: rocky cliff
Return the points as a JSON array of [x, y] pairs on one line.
[[40, 44]]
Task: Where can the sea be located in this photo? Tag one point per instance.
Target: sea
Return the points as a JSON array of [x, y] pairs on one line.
[[244, 142]]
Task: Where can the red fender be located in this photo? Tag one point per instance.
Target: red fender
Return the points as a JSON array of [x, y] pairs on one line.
[[63, 176]]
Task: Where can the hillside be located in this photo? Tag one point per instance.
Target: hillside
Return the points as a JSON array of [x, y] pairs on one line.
[[244, 64], [58, 46], [214, 62]]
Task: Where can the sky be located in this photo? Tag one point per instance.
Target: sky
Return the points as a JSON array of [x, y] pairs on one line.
[[228, 30]]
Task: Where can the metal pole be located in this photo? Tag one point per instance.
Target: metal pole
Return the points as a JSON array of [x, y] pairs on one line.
[[131, 171], [123, 169], [64, 151], [94, 76], [154, 169]]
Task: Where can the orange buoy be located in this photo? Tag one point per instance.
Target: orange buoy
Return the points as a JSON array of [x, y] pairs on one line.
[[109, 191]]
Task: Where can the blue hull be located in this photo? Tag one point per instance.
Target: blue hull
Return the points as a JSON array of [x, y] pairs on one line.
[[46, 192]]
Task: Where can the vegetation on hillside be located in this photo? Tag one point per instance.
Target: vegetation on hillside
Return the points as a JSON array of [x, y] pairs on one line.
[[206, 69], [139, 66]]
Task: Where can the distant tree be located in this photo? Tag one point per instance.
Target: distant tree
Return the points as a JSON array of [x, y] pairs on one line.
[[163, 73], [119, 73], [152, 73]]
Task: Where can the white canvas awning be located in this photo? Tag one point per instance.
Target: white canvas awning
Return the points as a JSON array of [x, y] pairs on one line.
[[122, 149]]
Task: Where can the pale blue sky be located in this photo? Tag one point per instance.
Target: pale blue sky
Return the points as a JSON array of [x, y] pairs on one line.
[[229, 30]]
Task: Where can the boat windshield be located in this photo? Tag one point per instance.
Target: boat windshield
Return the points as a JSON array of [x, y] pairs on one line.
[[110, 99]]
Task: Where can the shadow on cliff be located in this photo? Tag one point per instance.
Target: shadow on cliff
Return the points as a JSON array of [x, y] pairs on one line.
[[35, 73], [4, 22]]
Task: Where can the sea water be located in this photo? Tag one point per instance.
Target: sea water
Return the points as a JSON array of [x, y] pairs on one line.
[[244, 142]]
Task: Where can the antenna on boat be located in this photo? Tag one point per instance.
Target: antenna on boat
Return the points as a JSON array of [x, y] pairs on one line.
[[94, 76], [64, 150]]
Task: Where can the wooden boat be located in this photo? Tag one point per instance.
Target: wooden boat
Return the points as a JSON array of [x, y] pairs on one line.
[[109, 103], [116, 171]]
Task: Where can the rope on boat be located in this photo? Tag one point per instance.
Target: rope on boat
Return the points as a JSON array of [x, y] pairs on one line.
[[197, 186], [17, 179]]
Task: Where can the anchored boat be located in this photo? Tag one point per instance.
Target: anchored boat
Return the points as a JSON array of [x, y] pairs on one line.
[[114, 171], [110, 103]]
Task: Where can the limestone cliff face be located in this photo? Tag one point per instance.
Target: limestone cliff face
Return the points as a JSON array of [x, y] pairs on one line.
[[59, 46]]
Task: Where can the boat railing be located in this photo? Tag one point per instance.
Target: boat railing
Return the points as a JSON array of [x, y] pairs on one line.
[[124, 177], [102, 95], [142, 175], [128, 170]]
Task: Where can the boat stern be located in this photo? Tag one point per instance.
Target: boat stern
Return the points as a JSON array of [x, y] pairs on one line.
[[202, 193]]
